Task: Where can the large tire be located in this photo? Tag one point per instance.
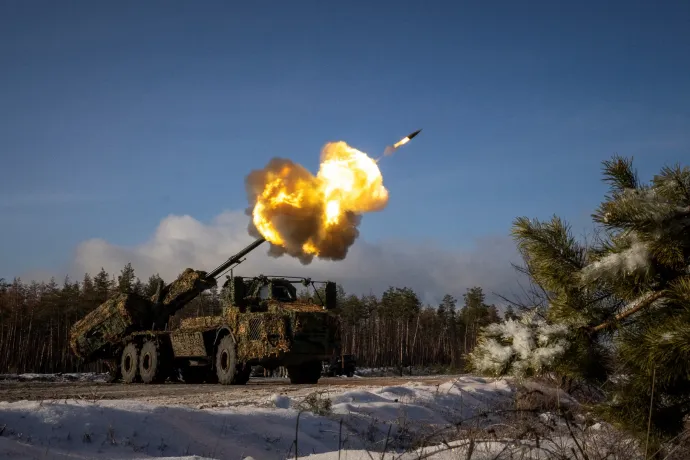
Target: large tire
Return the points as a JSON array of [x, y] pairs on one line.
[[226, 360], [153, 362], [129, 364], [305, 374]]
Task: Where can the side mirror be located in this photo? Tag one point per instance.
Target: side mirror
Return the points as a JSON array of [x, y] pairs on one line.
[[331, 296]]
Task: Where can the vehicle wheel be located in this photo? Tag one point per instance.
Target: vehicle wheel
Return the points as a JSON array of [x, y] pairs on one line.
[[129, 365], [226, 360], [307, 373], [152, 368], [242, 374]]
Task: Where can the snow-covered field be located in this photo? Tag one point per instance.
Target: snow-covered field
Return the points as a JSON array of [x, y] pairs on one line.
[[82, 377], [392, 371], [263, 428], [323, 423]]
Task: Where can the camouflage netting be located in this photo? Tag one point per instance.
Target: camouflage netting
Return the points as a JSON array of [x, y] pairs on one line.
[[276, 306], [107, 324], [187, 286], [201, 323], [259, 335]]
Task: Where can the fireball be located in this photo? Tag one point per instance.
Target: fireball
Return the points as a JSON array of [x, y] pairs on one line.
[[306, 215]]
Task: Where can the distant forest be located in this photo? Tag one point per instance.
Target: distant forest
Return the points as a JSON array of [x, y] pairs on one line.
[[395, 329]]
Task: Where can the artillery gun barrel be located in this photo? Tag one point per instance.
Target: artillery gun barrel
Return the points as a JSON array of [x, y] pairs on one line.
[[234, 259], [92, 336]]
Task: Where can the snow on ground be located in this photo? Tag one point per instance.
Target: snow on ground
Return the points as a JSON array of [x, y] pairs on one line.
[[373, 418], [394, 371], [76, 377]]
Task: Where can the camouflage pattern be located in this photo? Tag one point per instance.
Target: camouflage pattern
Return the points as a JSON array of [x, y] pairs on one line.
[[260, 336], [294, 307], [202, 323], [186, 287], [269, 324], [188, 344], [117, 317], [103, 330], [188, 339], [268, 330]]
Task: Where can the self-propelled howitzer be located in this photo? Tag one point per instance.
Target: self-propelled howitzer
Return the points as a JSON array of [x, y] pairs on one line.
[[97, 335], [263, 322]]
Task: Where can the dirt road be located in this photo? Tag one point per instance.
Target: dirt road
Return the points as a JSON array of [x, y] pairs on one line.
[[199, 396]]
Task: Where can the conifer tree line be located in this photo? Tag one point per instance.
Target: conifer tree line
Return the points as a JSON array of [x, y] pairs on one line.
[[391, 330], [396, 330]]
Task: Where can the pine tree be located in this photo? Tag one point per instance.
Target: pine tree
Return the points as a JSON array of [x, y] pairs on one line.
[[352, 310], [138, 287], [643, 261], [125, 281], [441, 311], [87, 300], [446, 309], [87, 285], [102, 286], [152, 285], [624, 297], [510, 313], [475, 314], [554, 260]]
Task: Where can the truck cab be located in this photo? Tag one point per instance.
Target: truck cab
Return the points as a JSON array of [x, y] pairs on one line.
[[264, 322]]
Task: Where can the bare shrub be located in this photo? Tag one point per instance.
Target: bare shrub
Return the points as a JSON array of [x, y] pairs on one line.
[[317, 403]]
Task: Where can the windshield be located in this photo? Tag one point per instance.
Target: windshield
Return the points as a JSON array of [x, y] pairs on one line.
[[282, 293]]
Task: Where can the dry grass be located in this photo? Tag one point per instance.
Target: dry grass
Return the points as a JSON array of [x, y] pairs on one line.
[[543, 422], [317, 403]]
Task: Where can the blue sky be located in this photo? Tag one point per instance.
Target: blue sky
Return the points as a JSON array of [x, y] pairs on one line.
[[118, 114]]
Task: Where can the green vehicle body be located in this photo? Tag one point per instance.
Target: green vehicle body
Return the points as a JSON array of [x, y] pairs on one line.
[[262, 323]]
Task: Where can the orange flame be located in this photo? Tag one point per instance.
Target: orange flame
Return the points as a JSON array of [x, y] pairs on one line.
[[317, 215]]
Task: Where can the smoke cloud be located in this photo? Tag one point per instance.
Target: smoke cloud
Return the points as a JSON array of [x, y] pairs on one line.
[[388, 151], [298, 225], [307, 216]]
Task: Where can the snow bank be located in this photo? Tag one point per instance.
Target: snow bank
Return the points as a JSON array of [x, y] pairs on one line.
[[364, 419]]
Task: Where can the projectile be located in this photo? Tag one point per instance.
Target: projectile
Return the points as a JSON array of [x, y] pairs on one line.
[[392, 148], [405, 139], [414, 134]]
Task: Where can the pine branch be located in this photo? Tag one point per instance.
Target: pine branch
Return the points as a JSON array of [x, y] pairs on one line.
[[634, 307], [674, 183], [551, 253], [619, 173], [645, 210]]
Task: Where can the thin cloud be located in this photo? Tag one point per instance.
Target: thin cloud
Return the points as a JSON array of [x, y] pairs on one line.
[[430, 269]]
